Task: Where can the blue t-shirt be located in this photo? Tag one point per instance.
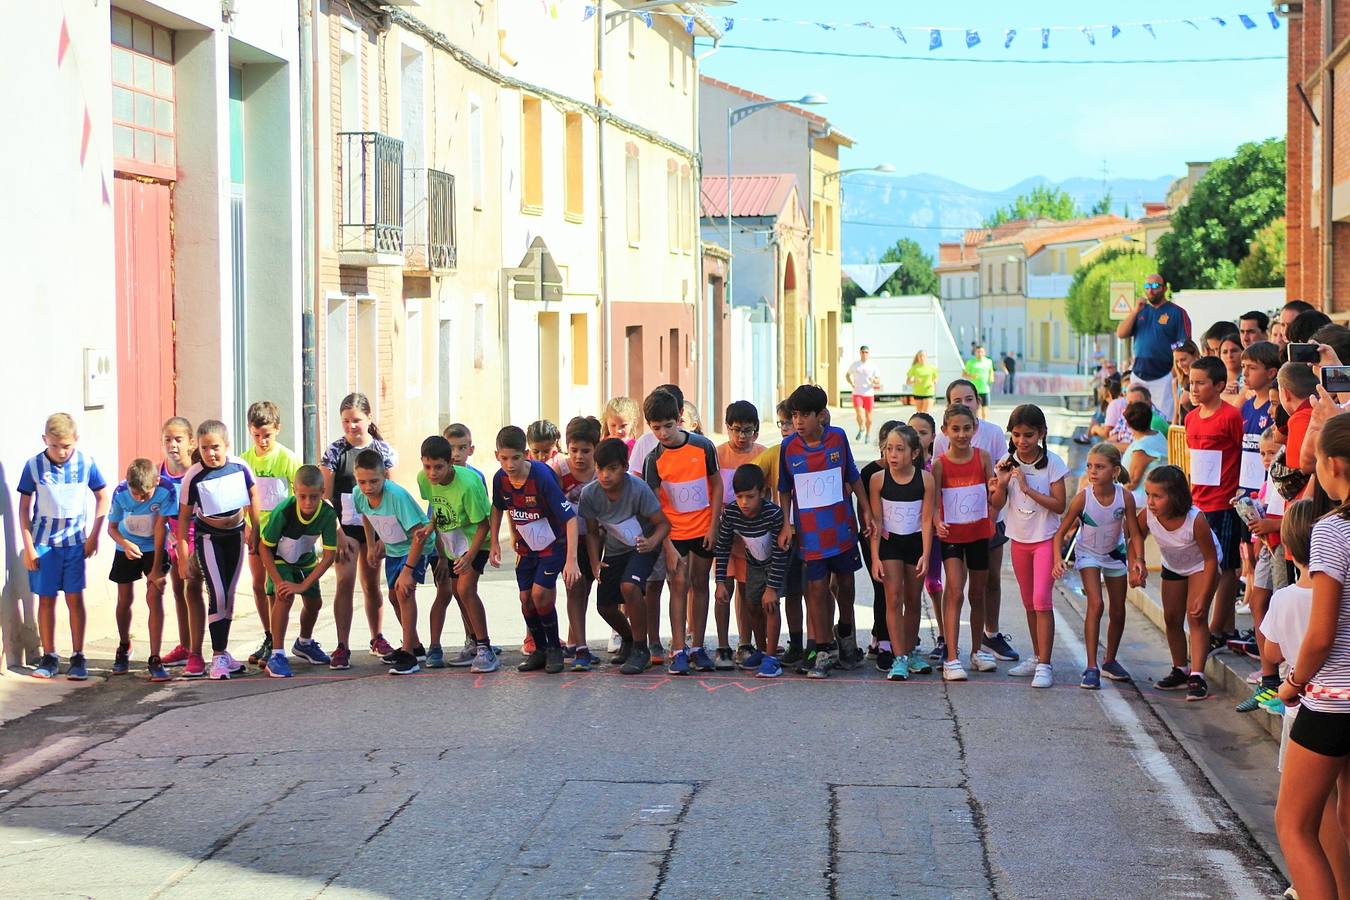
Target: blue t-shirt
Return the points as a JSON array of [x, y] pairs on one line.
[[396, 516], [135, 519], [1255, 420], [61, 503], [537, 509], [1156, 330], [819, 477]]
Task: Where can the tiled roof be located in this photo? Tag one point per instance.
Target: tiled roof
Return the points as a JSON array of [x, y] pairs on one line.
[[835, 134], [1035, 236], [751, 195]]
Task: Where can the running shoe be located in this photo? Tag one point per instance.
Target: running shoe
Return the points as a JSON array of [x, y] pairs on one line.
[[380, 647], [260, 656], [859, 436], [1253, 677], [78, 670], [679, 663], [195, 667], [769, 667], [725, 661], [744, 652], [614, 642], [48, 666], [581, 660], [1219, 641], [752, 662], [983, 661], [1044, 677], [700, 660], [485, 661], [435, 657], [824, 662], [657, 654], [849, 656], [122, 660], [637, 662], [235, 665], [154, 667], [176, 657], [466, 655], [1174, 680], [420, 652], [279, 666], [1025, 668], [1258, 696], [1242, 608], [569, 653], [553, 660], [953, 671], [807, 662], [1092, 679], [899, 670], [918, 664], [621, 655], [527, 646], [1115, 671], [1244, 644], [1196, 688], [311, 653], [792, 656], [939, 651], [533, 662], [998, 645], [1274, 706], [391, 657], [405, 664], [885, 659], [341, 658], [220, 668]]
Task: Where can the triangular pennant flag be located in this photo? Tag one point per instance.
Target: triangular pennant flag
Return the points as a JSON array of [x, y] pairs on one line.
[[1192, 24], [1149, 29], [824, 26], [863, 25], [899, 33], [688, 24], [1222, 23], [1008, 37], [1246, 21], [972, 37], [84, 136], [934, 39], [1045, 38], [646, 17], [1115, 31], [107, 200], [62, 43], [728, 24], [590, 11], [1087, 33], [1274, 21]]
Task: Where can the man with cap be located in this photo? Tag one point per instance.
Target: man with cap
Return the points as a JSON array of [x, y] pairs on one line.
[[1157, 326]]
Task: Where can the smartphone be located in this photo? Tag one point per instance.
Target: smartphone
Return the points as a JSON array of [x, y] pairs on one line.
[[1303, 353], [1335, 379]]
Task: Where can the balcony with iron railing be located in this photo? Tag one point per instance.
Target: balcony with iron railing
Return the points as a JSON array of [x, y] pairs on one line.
[[429, 220], [371, 230]]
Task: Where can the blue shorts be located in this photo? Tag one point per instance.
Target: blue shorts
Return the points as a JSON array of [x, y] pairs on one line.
[[625, 568], [60, 570], [845, 563], [393, 567], [540, 569]]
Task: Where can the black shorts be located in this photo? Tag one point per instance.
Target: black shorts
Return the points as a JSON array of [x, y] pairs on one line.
[[1000, 536], [626, 568], [1322, 732], [1169, 575], [975, 554], [695, 546], [126, 570], [442, 570], [356, 533], [907, 548], [1228, 536], [584, 559], [921, 396]]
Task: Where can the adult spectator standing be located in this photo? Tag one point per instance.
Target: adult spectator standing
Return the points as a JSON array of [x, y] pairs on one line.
[[1252, 327], [1157, 325], [1009, 367], [980, 370], [863, 379]]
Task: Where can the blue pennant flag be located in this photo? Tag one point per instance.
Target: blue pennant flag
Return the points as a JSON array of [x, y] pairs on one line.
[[1222, 23], [1274, 21], [688, 24], [1246, 21], [1045, 38], [863, 25], [1115, 31], [972, 37], [899, 34], [1008, 37], [1149, 29], [934, 39], [825, 26], [646, 17], [590, 11], [728, 24], [1087, 33]]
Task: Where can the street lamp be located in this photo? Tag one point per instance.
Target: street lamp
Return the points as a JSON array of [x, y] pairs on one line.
[[879, 167]]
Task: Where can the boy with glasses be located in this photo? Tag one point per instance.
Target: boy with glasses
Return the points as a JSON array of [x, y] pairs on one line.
[[742, 424]]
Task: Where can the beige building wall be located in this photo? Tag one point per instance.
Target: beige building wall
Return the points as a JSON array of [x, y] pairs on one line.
[[827, 295]]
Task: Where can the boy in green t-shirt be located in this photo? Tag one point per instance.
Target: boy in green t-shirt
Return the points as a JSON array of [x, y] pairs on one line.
[[274, 467], [287, 550], [459, 510], [980, 370]]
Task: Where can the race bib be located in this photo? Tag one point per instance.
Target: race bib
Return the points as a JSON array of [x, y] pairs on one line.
[[1206, 467], [453, 544], [271, 491], [902, 516], [349, 514], [226, 494], [965, 504], [759, 548], [817, 489], [140, 525], [627, 531], [687, 496], [292, 550], [1253, 473], [537, 535], [388, 528], [62, 501], [728, 495]]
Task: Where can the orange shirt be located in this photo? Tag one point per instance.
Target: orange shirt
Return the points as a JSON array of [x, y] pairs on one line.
[[679, 476], [729, 460]]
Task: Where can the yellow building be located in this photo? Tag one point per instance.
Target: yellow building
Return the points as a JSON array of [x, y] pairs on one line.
[[826, 276]]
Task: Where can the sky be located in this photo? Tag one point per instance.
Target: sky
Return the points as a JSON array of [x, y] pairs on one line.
[[989, 124]]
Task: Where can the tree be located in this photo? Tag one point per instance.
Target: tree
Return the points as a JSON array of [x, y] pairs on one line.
[[1103, 206], [915, 275], [1234, 200], [1089, 303], [1263, 265], [1044, 202]]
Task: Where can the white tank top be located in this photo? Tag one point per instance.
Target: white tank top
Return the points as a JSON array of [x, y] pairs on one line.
[[1180, 554], [1102, 526]]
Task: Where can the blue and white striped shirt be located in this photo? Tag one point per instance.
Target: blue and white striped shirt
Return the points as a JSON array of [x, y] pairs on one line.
[[61, 501]]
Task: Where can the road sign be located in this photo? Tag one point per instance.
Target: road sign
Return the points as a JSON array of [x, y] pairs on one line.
[[538, 276], [1122, 299]]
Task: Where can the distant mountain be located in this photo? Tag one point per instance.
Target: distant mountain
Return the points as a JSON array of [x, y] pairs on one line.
[[929, 208]]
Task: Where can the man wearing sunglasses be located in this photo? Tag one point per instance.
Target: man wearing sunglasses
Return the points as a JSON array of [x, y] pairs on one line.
[[1157, 325]]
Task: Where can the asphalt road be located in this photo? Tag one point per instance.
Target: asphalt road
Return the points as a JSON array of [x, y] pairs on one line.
[[447, 784]]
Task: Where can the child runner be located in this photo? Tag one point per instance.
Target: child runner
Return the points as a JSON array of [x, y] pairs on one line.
[[756, 522], [299, 544], [902, 496], [1268, 570], [397, 528], [622, 507], [815, 470], [575, 470], [142, 506], [926, 428], [459, 511], [1190, 566], [1030, 482], [768, 461], [542, 438], [180, 443], [1109, 547], [544, 534], [690, 418], [881, 640], [359, 432], [218, 499], [742, 423], [620, 419], [274, 467], [52, 509], [963, 521], [664, 570], [461, 450]]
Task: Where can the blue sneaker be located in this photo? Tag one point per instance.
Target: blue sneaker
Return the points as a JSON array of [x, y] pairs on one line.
[[702, 661], [582, 660], [435, 657], [77, 670], [753, 660], [769, 667], [1274, 706], [311, 653], [679, 663], [278, 666], [1092, 680], [122, 661], [899, 669], [1115, 671], [48, 666], [156, 670]]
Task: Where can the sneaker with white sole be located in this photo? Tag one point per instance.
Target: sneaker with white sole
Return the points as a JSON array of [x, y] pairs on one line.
[[220, 667], [465, 657], [1045, 676], [999, 646], [952, 670], [615, 642], [983, 661], [485, 661], [1025, 668]]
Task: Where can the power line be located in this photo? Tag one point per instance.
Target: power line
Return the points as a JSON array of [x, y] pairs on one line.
[[1045, 227], [1142, 61]]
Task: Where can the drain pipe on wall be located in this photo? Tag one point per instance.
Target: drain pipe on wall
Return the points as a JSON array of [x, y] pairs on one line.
[[1328, 126], [309, 390], [704, 324], [606, 338]]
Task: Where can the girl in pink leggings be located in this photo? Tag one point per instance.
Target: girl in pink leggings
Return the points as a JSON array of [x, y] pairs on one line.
[[1030, 482]]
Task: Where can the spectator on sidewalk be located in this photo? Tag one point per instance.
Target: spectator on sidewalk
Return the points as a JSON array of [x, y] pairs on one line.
[[1157, 326], [864, 378], [1252, 327], [980, 370], [1009, 367]]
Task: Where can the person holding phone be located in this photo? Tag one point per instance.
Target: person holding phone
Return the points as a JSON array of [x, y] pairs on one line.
[[1157, 326]]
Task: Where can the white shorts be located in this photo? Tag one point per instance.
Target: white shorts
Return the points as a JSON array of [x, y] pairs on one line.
[[1085, 559], [1263, 572]]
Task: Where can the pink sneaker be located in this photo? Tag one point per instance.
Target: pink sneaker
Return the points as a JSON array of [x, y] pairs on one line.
[[341, 659], [220, 667], [380, 647], [175, 657], [195, 666], [235, 665]]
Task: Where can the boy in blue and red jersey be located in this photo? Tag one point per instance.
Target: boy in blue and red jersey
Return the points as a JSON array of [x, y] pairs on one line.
[[816, 470]]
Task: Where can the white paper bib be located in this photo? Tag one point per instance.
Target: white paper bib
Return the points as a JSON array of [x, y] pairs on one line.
[[965, 504], [816, 489], [1206, 467], [292, 549], [537, 535], [902, 516], [62, 501], [687, 496], [759, 548], [226, 494], [271, 491], [627, 531]]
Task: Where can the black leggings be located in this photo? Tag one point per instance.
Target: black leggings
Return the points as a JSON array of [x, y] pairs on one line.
[[221, 557], [879, 631]]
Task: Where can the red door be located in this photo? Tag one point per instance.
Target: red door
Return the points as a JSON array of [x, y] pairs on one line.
[[144, 271]]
